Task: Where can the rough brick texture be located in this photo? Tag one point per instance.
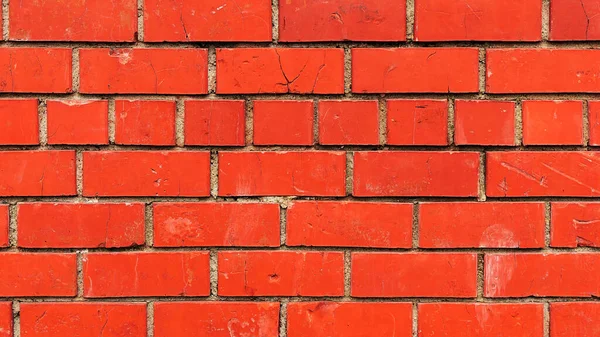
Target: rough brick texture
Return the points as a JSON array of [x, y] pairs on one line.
[[292, 168]]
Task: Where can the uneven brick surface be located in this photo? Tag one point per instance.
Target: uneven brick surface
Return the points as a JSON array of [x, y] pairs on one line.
[[292, 168]]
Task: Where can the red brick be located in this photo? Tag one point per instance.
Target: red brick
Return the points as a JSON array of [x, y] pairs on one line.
[[395, 173], [575, 319], [528, 174], [3, 227], [207, 20], [594, 122], [552, 122], [414, 275], [57, 319], [90, 20], [283, 122], [417, 122], [349, 122], [38, 274], [145, 122], [484, 123], [19, 122], [146, 173], [77, 122], [481, 319], [542, 70], [6, 319], [43, 70], [575, 224], [532, 274], [439, 70], [146, 274], [308, 173], [349, 224], [574, 20], [281, 273], [143, 71], [280, 70], [483, 225], [37, 173], [67, 225], [216, 224], [219, 123], [216, 319], [342, 20], [337, 319], [479, 20]]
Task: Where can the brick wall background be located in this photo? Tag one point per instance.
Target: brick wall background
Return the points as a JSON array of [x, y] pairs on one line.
[[258, 168]]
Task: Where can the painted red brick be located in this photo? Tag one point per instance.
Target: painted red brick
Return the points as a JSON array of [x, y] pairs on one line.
[[414, 275], [575, 224], [207, 20], [68, 225], [529, 174], [348, 122], [342, 20], [6, 319], [56, 319], [439, 70], [145, 274], [280, 70], [36, 70], [574, 20], [145, 122], [218, 319], [552, 122], [484, 123], [281, 273], [542, 70], [77, 122], [283, 122], [594, 122], [395, 173], [485, 225], [216, 224], [574, 319], [143, 71], [349, 319], [146, 173], [308, 173], [19, 122], [3, 226], [481, 319], [37, 173], [349, 224], [417, 122], [219, 123], [534, 274], [38, 274], [479, 20], [90, 20]]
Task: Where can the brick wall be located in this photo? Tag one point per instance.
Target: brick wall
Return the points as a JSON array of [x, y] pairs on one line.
[[341, 168]]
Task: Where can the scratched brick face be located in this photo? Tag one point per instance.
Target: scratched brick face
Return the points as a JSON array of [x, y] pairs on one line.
[[292, 168]]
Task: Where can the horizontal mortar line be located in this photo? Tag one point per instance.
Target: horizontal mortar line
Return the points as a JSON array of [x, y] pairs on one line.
[[305, 96], [292, 299], [550, 44], [283, 199], [317, 249], [314, 148]]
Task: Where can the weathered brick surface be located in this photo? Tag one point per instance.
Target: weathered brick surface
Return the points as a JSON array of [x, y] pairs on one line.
[[291, 168]]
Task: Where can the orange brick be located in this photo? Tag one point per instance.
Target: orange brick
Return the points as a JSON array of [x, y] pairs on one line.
[[283, 122], [218, 123], [145, 122], [552, 122], [348, 122], [19, 122], [77, 122], [484, 123], [417, 122]]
